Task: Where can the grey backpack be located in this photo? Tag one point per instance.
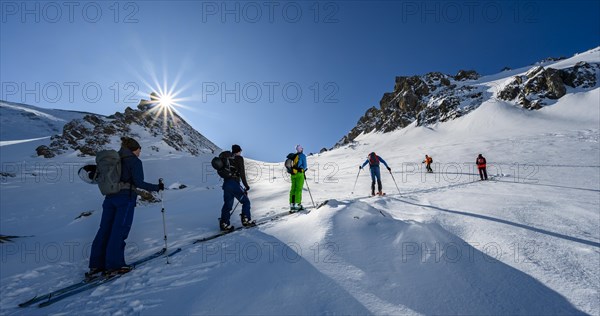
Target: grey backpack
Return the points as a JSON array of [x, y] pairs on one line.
[[108, 172]]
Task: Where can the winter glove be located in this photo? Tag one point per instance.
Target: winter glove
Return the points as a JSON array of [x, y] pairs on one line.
[[389, 169], [360, 167], [161, 185], [247, 188]]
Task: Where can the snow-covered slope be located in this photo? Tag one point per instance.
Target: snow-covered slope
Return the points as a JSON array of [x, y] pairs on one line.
[[21, 122], [527, 242]]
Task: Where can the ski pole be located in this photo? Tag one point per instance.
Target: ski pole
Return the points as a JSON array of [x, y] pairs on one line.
[[394, 181], [311, 198], [354, 187], [236, 205], [164, 222], [238, 202]]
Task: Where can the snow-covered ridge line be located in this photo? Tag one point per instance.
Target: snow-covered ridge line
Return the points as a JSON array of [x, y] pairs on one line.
[[38, 113], [21, 121]]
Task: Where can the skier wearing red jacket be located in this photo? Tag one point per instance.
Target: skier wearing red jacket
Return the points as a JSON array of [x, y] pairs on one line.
[[480, 161]]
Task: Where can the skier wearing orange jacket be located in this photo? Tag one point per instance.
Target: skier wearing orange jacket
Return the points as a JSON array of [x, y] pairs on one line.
[[428, 160]]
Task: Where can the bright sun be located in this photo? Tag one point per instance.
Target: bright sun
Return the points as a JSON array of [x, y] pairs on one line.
[[165, 100], [165, 105]]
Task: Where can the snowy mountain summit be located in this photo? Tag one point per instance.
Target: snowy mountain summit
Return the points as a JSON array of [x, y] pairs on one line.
[[159, 129], [436, 97]]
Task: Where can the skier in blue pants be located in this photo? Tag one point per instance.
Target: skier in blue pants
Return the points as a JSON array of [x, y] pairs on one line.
[[108, 248], [373, 160], [233, 190]]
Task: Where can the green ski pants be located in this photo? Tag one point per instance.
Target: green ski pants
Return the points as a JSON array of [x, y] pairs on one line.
[[296, 190]]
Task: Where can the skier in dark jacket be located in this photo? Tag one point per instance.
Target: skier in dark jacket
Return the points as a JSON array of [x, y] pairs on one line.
[[480, 161], [373, 160], [108, 248], [233, 190]]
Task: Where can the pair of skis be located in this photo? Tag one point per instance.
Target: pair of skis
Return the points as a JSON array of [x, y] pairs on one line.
[[263, 221], [84, 285]]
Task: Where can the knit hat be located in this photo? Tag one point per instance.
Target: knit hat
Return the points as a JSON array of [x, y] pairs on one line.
[[130, 143], [236, 149], [299, 148]]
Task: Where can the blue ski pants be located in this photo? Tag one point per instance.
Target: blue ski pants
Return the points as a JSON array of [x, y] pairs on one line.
[[108, 248], [375, 175], [232, 190]]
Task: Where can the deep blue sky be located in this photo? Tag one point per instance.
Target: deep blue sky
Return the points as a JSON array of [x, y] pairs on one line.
[[349, 52]]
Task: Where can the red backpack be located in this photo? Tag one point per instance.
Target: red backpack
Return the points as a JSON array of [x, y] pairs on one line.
[[373, 159], [480, 162]]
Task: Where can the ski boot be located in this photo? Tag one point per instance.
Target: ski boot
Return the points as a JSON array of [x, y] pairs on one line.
[[247, 222], [296, 207], [225, 227], [115, 272], [93, 273]]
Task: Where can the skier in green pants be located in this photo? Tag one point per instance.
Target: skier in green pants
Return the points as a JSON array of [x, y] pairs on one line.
[[298, 176]]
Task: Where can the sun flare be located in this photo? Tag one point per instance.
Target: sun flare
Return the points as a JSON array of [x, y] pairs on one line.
[[165, 100], [164, 103], [166, 94]]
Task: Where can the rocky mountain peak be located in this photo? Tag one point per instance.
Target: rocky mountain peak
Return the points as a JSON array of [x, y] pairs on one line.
[[95, 132], [425, 99], [437, 97]]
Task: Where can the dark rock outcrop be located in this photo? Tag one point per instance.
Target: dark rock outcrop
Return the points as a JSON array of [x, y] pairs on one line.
[[466, 75], [540, 86], [7, 174], [44, 151]]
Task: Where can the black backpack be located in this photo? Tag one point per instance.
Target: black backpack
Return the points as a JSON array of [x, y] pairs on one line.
[[291, 162], [225, 165]]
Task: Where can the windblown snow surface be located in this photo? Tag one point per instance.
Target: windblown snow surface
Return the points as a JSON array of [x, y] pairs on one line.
[[525, 242]]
